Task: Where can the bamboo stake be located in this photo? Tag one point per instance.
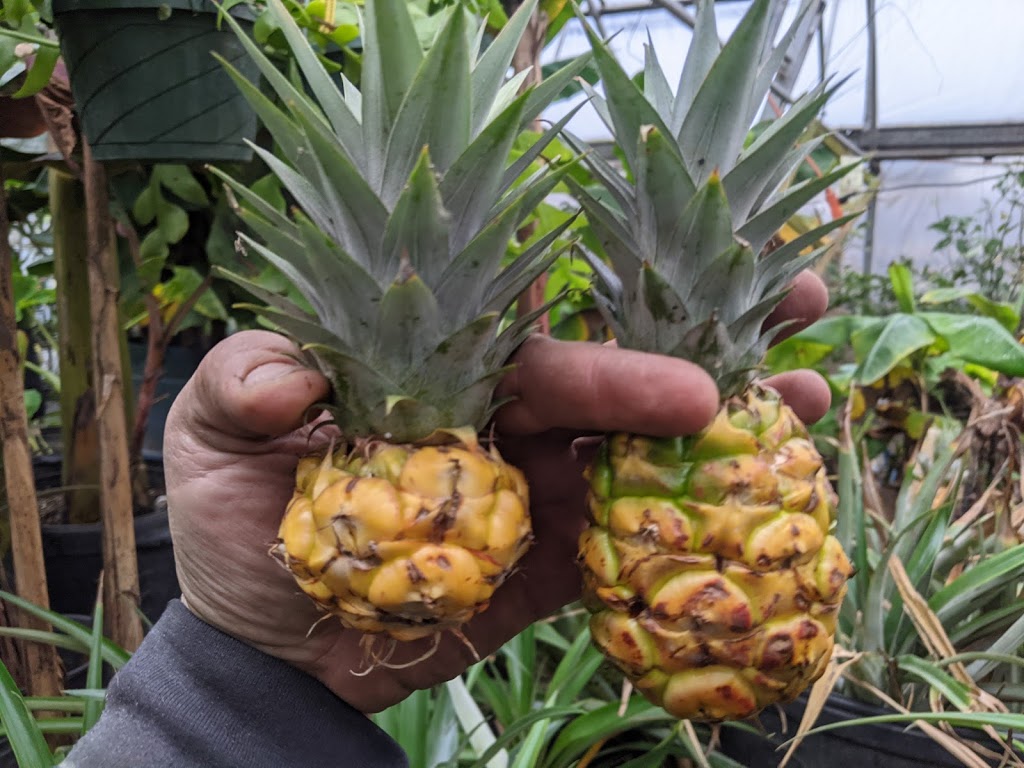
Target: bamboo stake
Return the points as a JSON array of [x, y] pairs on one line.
[[120, 564], [80, 443], [41, 661]]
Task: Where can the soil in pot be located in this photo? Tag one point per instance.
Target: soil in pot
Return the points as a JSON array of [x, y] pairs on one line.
[[885, 745]]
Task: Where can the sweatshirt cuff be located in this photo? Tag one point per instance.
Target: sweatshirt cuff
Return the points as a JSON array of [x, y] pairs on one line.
[[192, 695]]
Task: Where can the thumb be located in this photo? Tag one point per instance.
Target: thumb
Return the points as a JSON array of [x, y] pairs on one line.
[[252, 387]]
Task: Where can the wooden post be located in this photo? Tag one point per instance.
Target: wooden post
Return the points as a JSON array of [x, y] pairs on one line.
[[120, 563], [41, 661], [81, 467]]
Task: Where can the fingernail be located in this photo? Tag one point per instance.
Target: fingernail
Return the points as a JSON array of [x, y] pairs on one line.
[[268, 372]]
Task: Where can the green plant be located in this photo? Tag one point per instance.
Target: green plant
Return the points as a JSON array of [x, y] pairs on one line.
[[546, 699], [934, 622], [899, 365], [25, 721]]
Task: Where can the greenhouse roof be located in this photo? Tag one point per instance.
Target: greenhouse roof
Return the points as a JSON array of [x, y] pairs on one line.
[[948, 84]]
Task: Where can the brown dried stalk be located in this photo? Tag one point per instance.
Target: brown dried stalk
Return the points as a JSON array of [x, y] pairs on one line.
[[41, 662], [120, 564]]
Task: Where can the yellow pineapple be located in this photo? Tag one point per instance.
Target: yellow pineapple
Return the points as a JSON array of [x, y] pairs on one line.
[[710, 568], [404, 202]]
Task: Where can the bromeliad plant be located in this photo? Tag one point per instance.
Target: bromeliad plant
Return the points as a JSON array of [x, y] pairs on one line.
[[546, 699], [710, 567], [26, 721], [405, 202], [933, 623]]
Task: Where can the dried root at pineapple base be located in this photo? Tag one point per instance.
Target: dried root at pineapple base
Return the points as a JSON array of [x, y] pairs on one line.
[[709, 569], [405, 541]]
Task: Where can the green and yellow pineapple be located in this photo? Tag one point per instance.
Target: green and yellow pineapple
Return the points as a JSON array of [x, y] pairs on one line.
[[405, 199], [709, 568]]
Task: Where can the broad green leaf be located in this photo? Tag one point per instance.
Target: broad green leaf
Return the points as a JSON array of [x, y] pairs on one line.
[[902, 287], [838, 330], [1005, 313], [153, 252], [980, 340], [901, 336], [144, 207], [33, 402], [39, 73], [179, 180], [269, 188], [15, 11], [171, 220]]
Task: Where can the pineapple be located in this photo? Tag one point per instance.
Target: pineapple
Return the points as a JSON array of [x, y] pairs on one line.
[[710, 571], [404, 202]]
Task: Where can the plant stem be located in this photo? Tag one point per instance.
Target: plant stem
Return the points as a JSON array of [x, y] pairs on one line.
[[120, 564], [42, 42], [43, 667]]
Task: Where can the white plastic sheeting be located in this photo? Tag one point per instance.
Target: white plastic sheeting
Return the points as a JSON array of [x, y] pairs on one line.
[[939, 62]]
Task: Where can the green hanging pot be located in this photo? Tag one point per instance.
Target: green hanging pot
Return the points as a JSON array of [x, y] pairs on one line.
[[145, 84]]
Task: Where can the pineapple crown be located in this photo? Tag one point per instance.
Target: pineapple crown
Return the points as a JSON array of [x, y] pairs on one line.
[[684, 235], [405, 201]]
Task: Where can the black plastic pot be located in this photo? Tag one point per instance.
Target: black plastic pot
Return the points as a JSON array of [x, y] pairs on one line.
[[885, 745], [74, 558], [73, 554], [146, 86]]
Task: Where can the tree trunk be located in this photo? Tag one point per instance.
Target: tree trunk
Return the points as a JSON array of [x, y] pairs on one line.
[[41, 661], [81, 467], [120, 563]]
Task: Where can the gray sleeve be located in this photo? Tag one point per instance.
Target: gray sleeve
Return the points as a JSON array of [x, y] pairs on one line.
[[193, 697]]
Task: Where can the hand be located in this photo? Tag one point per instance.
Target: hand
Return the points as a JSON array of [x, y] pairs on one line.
[[234, 435]]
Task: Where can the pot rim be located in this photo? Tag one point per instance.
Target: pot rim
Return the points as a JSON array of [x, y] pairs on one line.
[[242, 10]]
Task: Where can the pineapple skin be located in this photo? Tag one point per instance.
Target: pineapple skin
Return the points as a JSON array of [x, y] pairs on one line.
[[405, 540], [712, 579]]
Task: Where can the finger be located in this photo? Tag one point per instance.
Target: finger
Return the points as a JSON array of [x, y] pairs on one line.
[[804, 304], [805, 392], [250, 386], [588, 386]]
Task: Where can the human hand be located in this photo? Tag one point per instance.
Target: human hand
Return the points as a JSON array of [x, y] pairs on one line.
[[235, 434]]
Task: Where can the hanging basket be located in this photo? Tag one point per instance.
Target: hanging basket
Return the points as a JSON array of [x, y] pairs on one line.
[[145, 84]]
